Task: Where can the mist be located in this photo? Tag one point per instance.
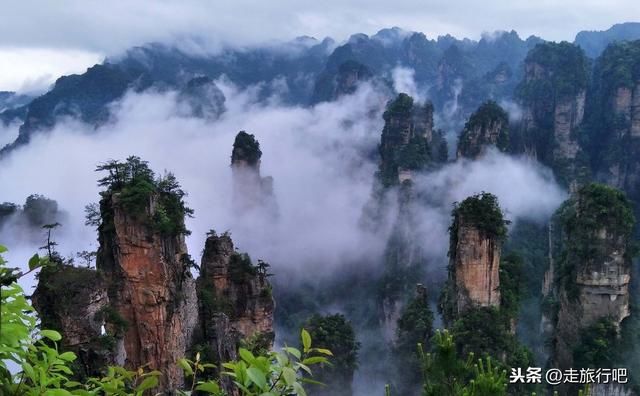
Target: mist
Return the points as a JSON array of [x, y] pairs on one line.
[[320, 160], [319, 157]]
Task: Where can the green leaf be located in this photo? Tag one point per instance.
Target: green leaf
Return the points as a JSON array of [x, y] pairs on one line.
[[315, 360], [148, 383], [209, 386], [68, 356], [306, 340], [57, 392], [299, 389], [3, 249], [289, 375], [323, 351], [34, 262], [257, 377], [293, 351], [51, 334], [186, 367], [246, 355]]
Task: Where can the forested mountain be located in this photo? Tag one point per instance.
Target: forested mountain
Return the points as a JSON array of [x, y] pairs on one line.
[[412, 262]]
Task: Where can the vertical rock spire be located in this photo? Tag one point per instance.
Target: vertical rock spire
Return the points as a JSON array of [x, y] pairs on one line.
[[251, 191]]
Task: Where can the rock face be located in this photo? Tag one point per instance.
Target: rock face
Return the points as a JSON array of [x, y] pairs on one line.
[[408, 145], [202, 98], [487, 127], [149, 287], [251, 191], [74, 301], [331, 85], [235, 301], [553, 99], [408, 142], [142, 307], [476, 262], [476, 237], [615, 116], [597, 225]]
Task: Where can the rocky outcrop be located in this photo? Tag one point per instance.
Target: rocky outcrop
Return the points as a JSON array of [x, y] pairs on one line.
[[149, 286], [594, 271], [404, 262], [476, 261], [408, 141], [408, 145], [74, 301], [251, 191], [552, 95], [623, 167], [476, 237], [202, 98], [142, 308], [333, 84], [235, 301], [487, 127]]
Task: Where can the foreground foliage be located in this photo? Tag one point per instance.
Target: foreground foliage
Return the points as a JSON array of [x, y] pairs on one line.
[[40, 368]]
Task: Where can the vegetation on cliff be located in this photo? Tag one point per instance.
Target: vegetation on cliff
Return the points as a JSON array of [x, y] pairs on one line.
[[335, 332], [415, 327], [246, 148], [137, 187], [402, 147], [609, 112], [489, 125], [481, 211], [594, 208], [44, 369], [564, 72]]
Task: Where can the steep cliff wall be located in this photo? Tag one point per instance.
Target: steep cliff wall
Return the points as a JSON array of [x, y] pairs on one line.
[[593, 274], [408, 141], [614, 118], [235, 302], [408, 144], [553, 95], [142, 307], [74, 302], [476, 262], [144, 261], [487, 127], [341, 80], [149, 286], [251, 191], [476, 237]]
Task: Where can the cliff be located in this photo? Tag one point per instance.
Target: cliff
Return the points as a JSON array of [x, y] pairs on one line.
[[487, 127], [408, 143], [235, 303], [148, 280], [553, 95], [251, 191], [332, 84], [74, 301], [476, 237], [141, 307], [593, 275], [614, 118]]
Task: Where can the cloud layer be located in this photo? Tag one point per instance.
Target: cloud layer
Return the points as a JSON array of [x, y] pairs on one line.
[[321, 159], [85, 30]]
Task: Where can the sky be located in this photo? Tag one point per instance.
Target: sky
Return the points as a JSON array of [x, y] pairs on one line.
[[40, 41]]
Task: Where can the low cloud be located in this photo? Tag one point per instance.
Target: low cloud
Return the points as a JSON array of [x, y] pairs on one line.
[[404, 82], [320, 158]]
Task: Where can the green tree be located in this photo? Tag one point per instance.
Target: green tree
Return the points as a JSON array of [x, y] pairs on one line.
[[335, 333]]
